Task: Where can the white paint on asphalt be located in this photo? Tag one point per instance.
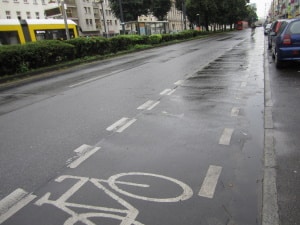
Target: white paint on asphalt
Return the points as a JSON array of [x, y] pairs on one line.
[[179, 82], [171, 92], [210, 182], [243, 84], [167, 92], [93, 79], [121, 125], [84, 151], [149, 105], [126, 125], [12, 203], [226, 136], [235, 111]]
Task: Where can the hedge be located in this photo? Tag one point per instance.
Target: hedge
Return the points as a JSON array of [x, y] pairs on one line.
[[22, 58]]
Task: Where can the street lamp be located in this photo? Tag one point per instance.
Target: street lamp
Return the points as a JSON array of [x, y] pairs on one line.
[[199, 20], [104, 21], [122, 17], [63, 9]]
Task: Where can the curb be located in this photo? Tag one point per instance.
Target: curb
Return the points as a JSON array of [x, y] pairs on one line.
[[270, 214]]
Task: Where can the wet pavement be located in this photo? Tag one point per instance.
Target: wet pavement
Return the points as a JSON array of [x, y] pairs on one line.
[[175, 138]]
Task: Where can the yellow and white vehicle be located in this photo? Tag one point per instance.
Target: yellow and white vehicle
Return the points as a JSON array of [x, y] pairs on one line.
[[14, 31]]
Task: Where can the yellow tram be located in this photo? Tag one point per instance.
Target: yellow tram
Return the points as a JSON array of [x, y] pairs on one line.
[[14, 31]]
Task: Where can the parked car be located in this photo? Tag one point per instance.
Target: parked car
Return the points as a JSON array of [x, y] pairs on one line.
[[275, 27], [267, 28], [286, 42]]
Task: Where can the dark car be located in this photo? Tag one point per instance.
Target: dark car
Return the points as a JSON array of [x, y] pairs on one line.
[[275, 27], [286, 42]]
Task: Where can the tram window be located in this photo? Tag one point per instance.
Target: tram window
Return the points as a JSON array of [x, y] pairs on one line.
[[9, 38], [52, 34]]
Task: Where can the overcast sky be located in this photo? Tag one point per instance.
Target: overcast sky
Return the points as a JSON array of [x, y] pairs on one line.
[[262, 7]]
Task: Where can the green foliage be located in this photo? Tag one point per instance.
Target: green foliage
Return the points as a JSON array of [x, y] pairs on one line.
[[155, 39], [205, 12], [160, 8], [22, 58], [89, 46]]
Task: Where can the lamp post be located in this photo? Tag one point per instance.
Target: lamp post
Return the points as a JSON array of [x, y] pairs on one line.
[[198, 14], [63, 9], [122, 16], [104, 21]]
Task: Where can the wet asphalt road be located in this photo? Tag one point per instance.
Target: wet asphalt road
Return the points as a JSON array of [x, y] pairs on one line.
[[187, 120], [285, 86]]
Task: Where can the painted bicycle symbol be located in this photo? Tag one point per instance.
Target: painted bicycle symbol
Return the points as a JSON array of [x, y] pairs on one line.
[[126, 216]]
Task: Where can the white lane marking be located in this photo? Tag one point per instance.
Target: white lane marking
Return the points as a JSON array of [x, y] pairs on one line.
[[179, 82], [165, 92], [85, 151], [93, 79], [126, 125], [171, 92], [148, 105], [12, 203], [121, 124], [153, 105], [226, 136], [243, 84], [117, 124], [210, 182], [235, 111]]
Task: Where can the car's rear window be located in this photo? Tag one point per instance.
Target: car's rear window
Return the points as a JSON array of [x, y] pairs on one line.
[[295, 27]]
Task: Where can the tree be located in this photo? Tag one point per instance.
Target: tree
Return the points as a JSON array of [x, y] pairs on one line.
[[160, 8], [131, 8]]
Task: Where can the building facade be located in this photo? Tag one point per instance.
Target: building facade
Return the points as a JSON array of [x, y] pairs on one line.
[[281, 9], [94, 17]]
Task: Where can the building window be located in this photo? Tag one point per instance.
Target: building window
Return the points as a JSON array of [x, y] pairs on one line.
[[91, 22], [26, 2], [43, 2], [37, 15], [19, 15], [16, 1], [28, 16], [35, 2], [7, 13], [87, 22]]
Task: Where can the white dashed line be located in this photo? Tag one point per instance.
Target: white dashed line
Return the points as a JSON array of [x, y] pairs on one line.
[[121, 125], [179, 82], [148, 105], [167, 92], [12, 203], [243, 84], [235, 111], [226, 136], [171, 92], [210, 182], [85, 151]]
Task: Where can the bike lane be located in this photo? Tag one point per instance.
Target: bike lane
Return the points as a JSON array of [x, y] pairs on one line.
[[193, 155]]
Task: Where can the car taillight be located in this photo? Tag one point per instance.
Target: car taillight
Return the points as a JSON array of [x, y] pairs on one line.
[[287, 39]]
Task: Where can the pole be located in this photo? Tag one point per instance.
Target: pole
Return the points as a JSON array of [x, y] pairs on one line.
[[104, 22], [65, 19], [122, 16], [184, 13]]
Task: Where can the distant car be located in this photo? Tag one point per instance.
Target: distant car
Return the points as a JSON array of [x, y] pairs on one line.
[[286, 42], [267, 28]]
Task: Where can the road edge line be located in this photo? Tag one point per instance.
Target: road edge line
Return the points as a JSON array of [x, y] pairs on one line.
[[270, 214]]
